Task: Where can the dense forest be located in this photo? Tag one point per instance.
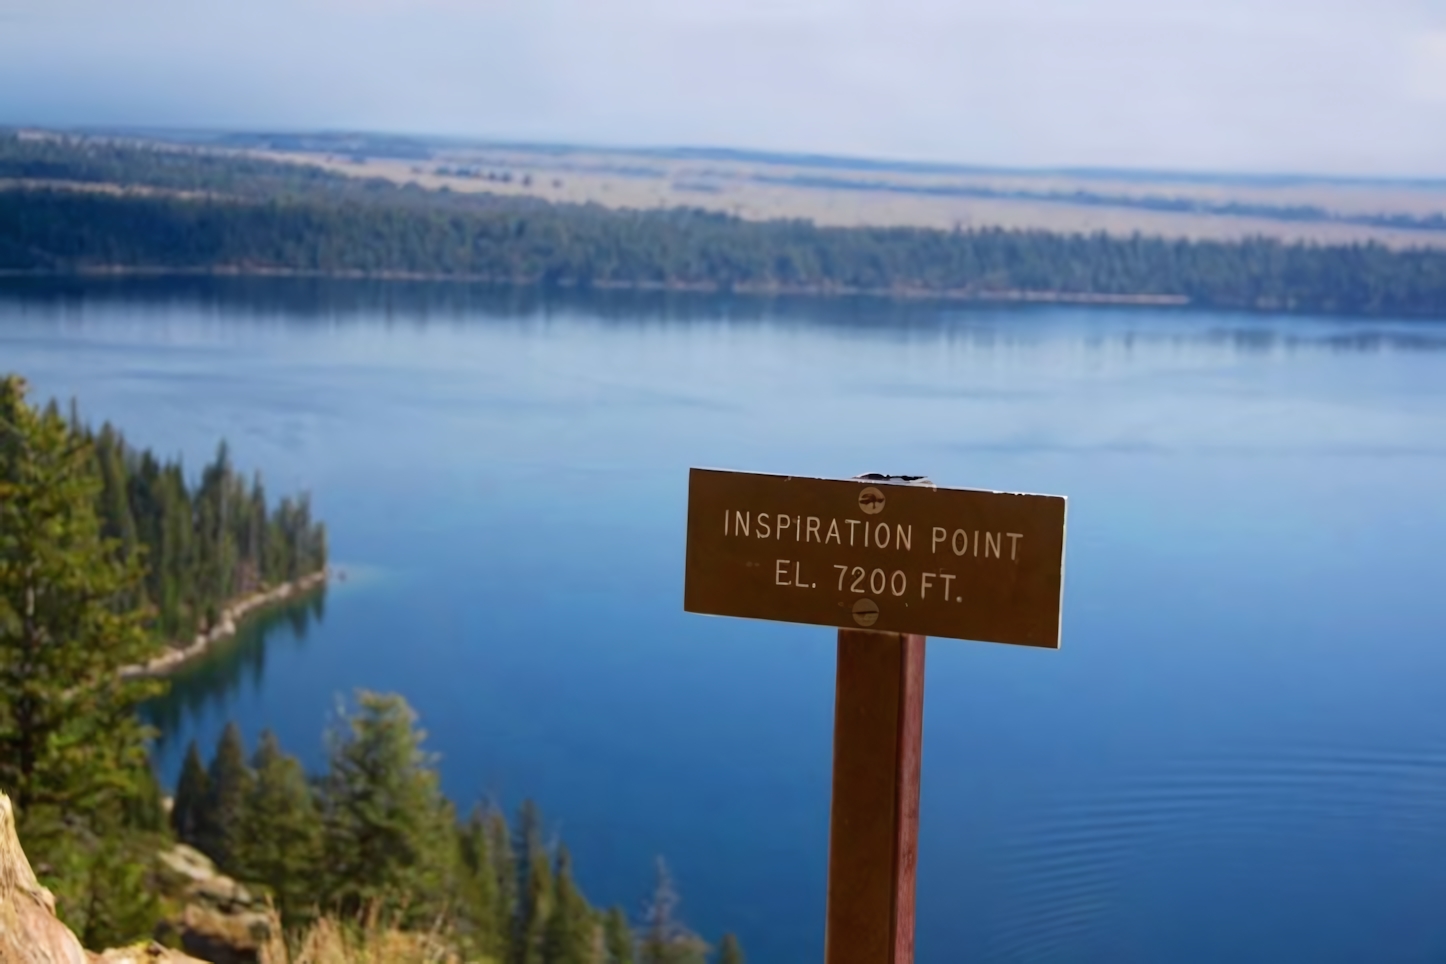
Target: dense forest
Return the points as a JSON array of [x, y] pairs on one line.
[[107, 162], [203, 545], [90, 530], [374, 833], [267, 217], [100, 162]]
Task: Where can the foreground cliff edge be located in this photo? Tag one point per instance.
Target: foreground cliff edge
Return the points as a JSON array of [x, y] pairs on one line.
[[30, 933]]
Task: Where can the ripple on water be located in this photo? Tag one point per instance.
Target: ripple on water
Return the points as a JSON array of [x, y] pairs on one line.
[[1067, 868]]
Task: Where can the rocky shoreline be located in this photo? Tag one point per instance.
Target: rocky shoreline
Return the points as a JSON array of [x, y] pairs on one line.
[[225, 627]]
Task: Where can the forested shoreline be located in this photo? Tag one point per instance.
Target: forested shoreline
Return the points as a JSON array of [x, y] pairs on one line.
[[202, 546], [104, 549], [506, 892], [211, 213]]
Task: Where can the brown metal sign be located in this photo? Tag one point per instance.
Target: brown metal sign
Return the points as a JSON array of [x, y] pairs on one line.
[[870, 554]]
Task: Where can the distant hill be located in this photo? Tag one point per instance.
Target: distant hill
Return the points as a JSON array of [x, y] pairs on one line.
[[371, 144], [107, 204]]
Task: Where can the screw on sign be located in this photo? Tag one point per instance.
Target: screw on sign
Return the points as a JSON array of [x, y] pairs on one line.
[[871, 500], [866, 612], [888, 560]]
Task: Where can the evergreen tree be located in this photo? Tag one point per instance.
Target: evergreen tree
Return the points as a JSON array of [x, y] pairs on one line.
[[68, 738], [280, 843], [484, 923], [191, 792], [121, 905], [228, 785], [254, 537], [534, 887], [172, 555], [145, 809], [618, 940], [116, 518], [202, 548], [570, 933], [318, 227], [72, 752], [665, 940], [504, 871], [730, 951], [390, 834]]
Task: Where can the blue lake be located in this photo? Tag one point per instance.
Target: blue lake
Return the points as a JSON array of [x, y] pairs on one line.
[[1238, 754]]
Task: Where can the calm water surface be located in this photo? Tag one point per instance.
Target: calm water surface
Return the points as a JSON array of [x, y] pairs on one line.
[[1239, 753]]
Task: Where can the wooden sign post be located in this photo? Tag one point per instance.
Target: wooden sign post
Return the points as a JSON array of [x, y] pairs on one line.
[[888, 560]]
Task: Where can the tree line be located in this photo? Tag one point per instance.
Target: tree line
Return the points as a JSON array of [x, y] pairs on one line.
[[587, 245], [117, 161], [120, 162], [74, 757], [247, 215], [201, 545], [375, 834]]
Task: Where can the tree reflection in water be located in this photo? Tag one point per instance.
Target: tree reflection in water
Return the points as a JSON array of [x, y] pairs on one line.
[[214, 679]]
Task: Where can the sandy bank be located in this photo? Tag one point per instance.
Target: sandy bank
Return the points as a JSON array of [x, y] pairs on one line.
[[225, 627]]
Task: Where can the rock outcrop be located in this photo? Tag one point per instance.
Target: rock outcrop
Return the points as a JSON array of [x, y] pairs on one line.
[[219, 919], [30, 933]]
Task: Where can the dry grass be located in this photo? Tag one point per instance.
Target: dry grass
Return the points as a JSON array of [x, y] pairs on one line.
[[640, 181], [749, 188], [371, 940]]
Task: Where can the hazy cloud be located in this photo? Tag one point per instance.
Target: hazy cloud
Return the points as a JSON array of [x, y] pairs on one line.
[[1427, 58], [1324, 85]]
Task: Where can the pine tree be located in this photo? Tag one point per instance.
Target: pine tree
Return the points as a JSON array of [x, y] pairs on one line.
[[191, 792], [121, 905], [664, 939], [228, 784], [202, 548], [279, 845], [145, 809], [570, 932], [618, 940], [534, 887], [481, 909], [72, 752], [730, 951], [68, 737], [116, 519], [255, 536], [504, 871], [390, 834]]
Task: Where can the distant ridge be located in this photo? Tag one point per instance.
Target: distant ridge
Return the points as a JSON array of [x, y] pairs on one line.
[[118, 205], [376, 144]]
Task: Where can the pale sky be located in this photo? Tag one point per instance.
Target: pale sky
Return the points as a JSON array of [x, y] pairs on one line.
[[1321, 86]]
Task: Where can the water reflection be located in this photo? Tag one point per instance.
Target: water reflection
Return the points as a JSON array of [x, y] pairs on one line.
[[420, 305], [1237, 755], [210, 684]]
